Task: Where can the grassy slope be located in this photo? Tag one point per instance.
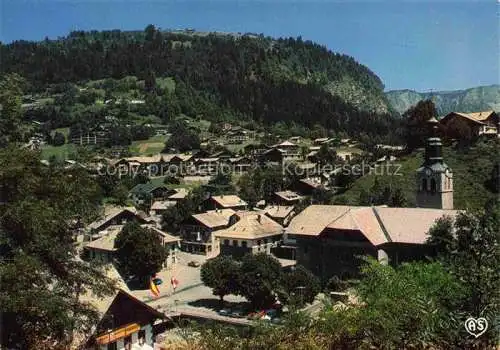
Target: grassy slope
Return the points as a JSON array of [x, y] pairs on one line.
[[470, 170], [154, 144], [61, 152]]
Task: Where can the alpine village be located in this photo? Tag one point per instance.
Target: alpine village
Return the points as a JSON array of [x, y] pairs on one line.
[[178, 189]]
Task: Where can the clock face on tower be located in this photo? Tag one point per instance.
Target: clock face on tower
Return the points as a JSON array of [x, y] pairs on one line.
[[428, 172]]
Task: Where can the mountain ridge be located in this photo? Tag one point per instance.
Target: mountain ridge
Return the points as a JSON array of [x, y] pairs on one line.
[[484, 97]]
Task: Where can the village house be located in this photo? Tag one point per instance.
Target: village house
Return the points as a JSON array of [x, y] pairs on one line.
[[226, 201], [255, 150], [151, 191], [282, 214], [205, 166], [312, 156], [160, 164], [179, 195], [330, 237], [123, 320], [237, 136], [290, 151], [114, 216], [320, 141], [223, 154], [90, 138], [240, 165], [306, 187], [103, 249], [397, 148], [481, 123], [197, 231], [286, 198], [160, 207], [272, 156], [252, 233], [346, 155]]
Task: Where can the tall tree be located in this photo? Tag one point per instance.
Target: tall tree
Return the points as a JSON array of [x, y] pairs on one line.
[[416, 129], [10, 108], [139, 251], [301, 285], [260, 279], [221, 274], [470, 248], [42, 277]]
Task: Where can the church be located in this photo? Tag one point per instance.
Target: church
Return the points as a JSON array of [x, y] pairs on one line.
[[330, 238]]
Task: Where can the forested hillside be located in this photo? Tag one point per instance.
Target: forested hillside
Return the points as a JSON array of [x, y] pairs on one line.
[[266, 79], [471, 100]]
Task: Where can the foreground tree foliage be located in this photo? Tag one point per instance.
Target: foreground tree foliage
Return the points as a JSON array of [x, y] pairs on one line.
[[139, 251], [10, 111], [41, 276], [470, 249]]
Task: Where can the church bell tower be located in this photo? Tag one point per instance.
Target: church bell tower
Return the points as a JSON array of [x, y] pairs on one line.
[[434, 177]]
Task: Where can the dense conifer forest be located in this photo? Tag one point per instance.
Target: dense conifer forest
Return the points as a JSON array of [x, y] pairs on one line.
[[250, 76]]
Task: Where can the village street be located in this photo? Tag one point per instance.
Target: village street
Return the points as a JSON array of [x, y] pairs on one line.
[[190, 293]]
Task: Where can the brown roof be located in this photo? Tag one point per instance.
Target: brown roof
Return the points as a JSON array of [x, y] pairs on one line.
[[228, 201], [110, 212], [278, 211], [410, 225], [207, 160], [285, 144], [162, 205], [476, 117], [167, 238], [251, 225], [107, 241], [158, 157], [311, 183], [214, 218], [313, 219], [288, 195], [479, 116], [181, 193], [369, 225], [378, 224]]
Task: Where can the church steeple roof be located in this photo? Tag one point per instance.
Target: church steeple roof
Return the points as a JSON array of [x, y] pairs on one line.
[[433, 148]]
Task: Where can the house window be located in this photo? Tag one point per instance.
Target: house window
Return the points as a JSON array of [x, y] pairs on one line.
[[112, 346], [306, 249], [433, 185], [265, 240], [244, 244], [424, 184], [226, 242], [235, 243]]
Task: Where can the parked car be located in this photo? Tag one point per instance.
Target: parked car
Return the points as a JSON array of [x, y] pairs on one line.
[[194, 263], [256, 315], [224, 312], [238, 313]]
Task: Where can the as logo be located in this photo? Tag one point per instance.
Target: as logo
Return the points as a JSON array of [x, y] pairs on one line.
[[476, 327]]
